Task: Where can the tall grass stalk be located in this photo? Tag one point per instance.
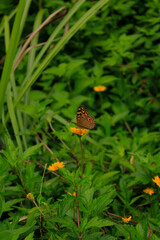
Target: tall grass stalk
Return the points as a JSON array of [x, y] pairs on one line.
[[12, 48], [59, 46]]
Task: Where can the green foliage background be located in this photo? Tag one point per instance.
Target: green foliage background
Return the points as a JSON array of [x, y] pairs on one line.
[[117, 47]]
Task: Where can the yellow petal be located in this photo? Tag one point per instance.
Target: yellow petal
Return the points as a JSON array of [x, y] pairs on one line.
[[79, 131], [99, 88]]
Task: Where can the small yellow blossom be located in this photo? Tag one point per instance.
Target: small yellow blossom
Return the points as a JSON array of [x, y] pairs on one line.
[[156, 179], [149, 191], [99, 88], [74, 194], [30, 196], [55, 166], [79, 131], [131, 159], [126, 220]]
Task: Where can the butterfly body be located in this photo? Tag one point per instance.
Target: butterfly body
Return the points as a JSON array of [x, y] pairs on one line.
[[84, 120]]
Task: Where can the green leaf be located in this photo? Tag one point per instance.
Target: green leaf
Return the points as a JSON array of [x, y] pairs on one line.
[[101, 180], [36, 95], [93, 236], [10, 204], [108, 79], [58, 70], [141, 232], [32, 216], [30, 236], [88, 196], [66, 222], [122, 231], [83, 224], [64, 206], [97, 222], [2, 203], [30, 151], [11, 151], [14, 234], [118, 117], [101, 203]]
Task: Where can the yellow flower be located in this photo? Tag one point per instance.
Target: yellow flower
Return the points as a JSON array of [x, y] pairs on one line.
[[79, 131], [156, 180], [74, 194], [126, 220], [30, 196], [149, 191], [99, 88], [55, 166]]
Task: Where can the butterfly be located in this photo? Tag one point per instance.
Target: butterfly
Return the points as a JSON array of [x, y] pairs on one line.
[[84, 120]]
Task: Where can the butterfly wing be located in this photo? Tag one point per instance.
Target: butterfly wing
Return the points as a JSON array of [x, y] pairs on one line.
[[84, 120]]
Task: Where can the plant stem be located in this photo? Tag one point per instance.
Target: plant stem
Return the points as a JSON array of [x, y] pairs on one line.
[[38, 208], [101, 101], [81, 157], [38, 137], [58, 137], [78, 220], [43, 178], [128, 127]]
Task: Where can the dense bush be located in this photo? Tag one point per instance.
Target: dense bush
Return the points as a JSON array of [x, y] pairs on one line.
[[58, 181]]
